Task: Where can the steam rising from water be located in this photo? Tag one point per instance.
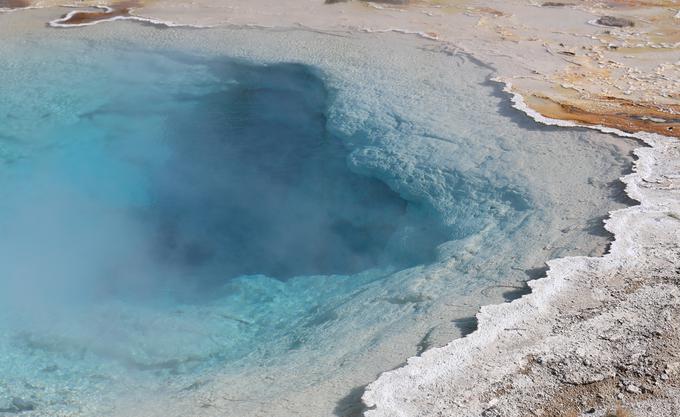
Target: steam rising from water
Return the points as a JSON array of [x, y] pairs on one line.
[[140, 193], [257, 185], [164, 193]]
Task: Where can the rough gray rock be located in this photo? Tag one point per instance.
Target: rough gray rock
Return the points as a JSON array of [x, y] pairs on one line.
[[18, 405], [618, 22], [598, 334]]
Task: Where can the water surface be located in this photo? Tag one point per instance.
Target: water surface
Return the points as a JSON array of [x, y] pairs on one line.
[[208, 230]]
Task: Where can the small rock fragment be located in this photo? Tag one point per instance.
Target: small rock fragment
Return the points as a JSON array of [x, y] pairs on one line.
[[633, 389], [19, 405], [673, 368], [618, 22], [491, 412]]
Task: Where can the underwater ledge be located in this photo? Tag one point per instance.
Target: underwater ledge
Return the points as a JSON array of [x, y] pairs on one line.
[[425, 353], [555, 326]]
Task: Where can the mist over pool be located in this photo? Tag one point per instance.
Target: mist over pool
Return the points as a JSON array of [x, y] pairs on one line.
[[246, 224]]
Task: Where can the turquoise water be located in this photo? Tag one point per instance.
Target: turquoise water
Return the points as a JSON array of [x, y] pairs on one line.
[[165, 185], [189, 232], [165, 181]]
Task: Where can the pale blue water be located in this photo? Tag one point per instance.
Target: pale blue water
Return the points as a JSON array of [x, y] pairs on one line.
[[163, 181], [225, 174], [176, 226]]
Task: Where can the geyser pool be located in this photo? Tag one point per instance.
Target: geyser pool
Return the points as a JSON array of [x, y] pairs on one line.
[[243, 223], [174, 180], [257, 185], [239, 179], [164, 191]]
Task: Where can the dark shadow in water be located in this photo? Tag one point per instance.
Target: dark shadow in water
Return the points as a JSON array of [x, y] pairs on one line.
[[516, 116], [466, 325], [425, 342], [351, 405], [595, 227], [617, 192], [532, 274], [257, 185]]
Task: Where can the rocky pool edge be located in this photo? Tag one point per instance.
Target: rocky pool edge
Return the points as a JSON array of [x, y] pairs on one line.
[[463, 377]]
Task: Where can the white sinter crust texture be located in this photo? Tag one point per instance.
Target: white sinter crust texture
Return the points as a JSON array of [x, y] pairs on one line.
[[597, 336]]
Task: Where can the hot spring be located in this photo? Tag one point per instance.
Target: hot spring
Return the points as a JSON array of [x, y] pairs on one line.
[[251, 222]]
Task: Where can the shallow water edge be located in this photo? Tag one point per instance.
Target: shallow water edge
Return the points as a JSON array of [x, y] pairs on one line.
[[508, 353]]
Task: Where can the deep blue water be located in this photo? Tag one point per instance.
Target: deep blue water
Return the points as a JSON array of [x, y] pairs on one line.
[[257, 185], [197, 182]]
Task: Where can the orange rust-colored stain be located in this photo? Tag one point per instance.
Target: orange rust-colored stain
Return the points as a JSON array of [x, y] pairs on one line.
[[613, 112], [14, 4], [118, 9], [90, 17]]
